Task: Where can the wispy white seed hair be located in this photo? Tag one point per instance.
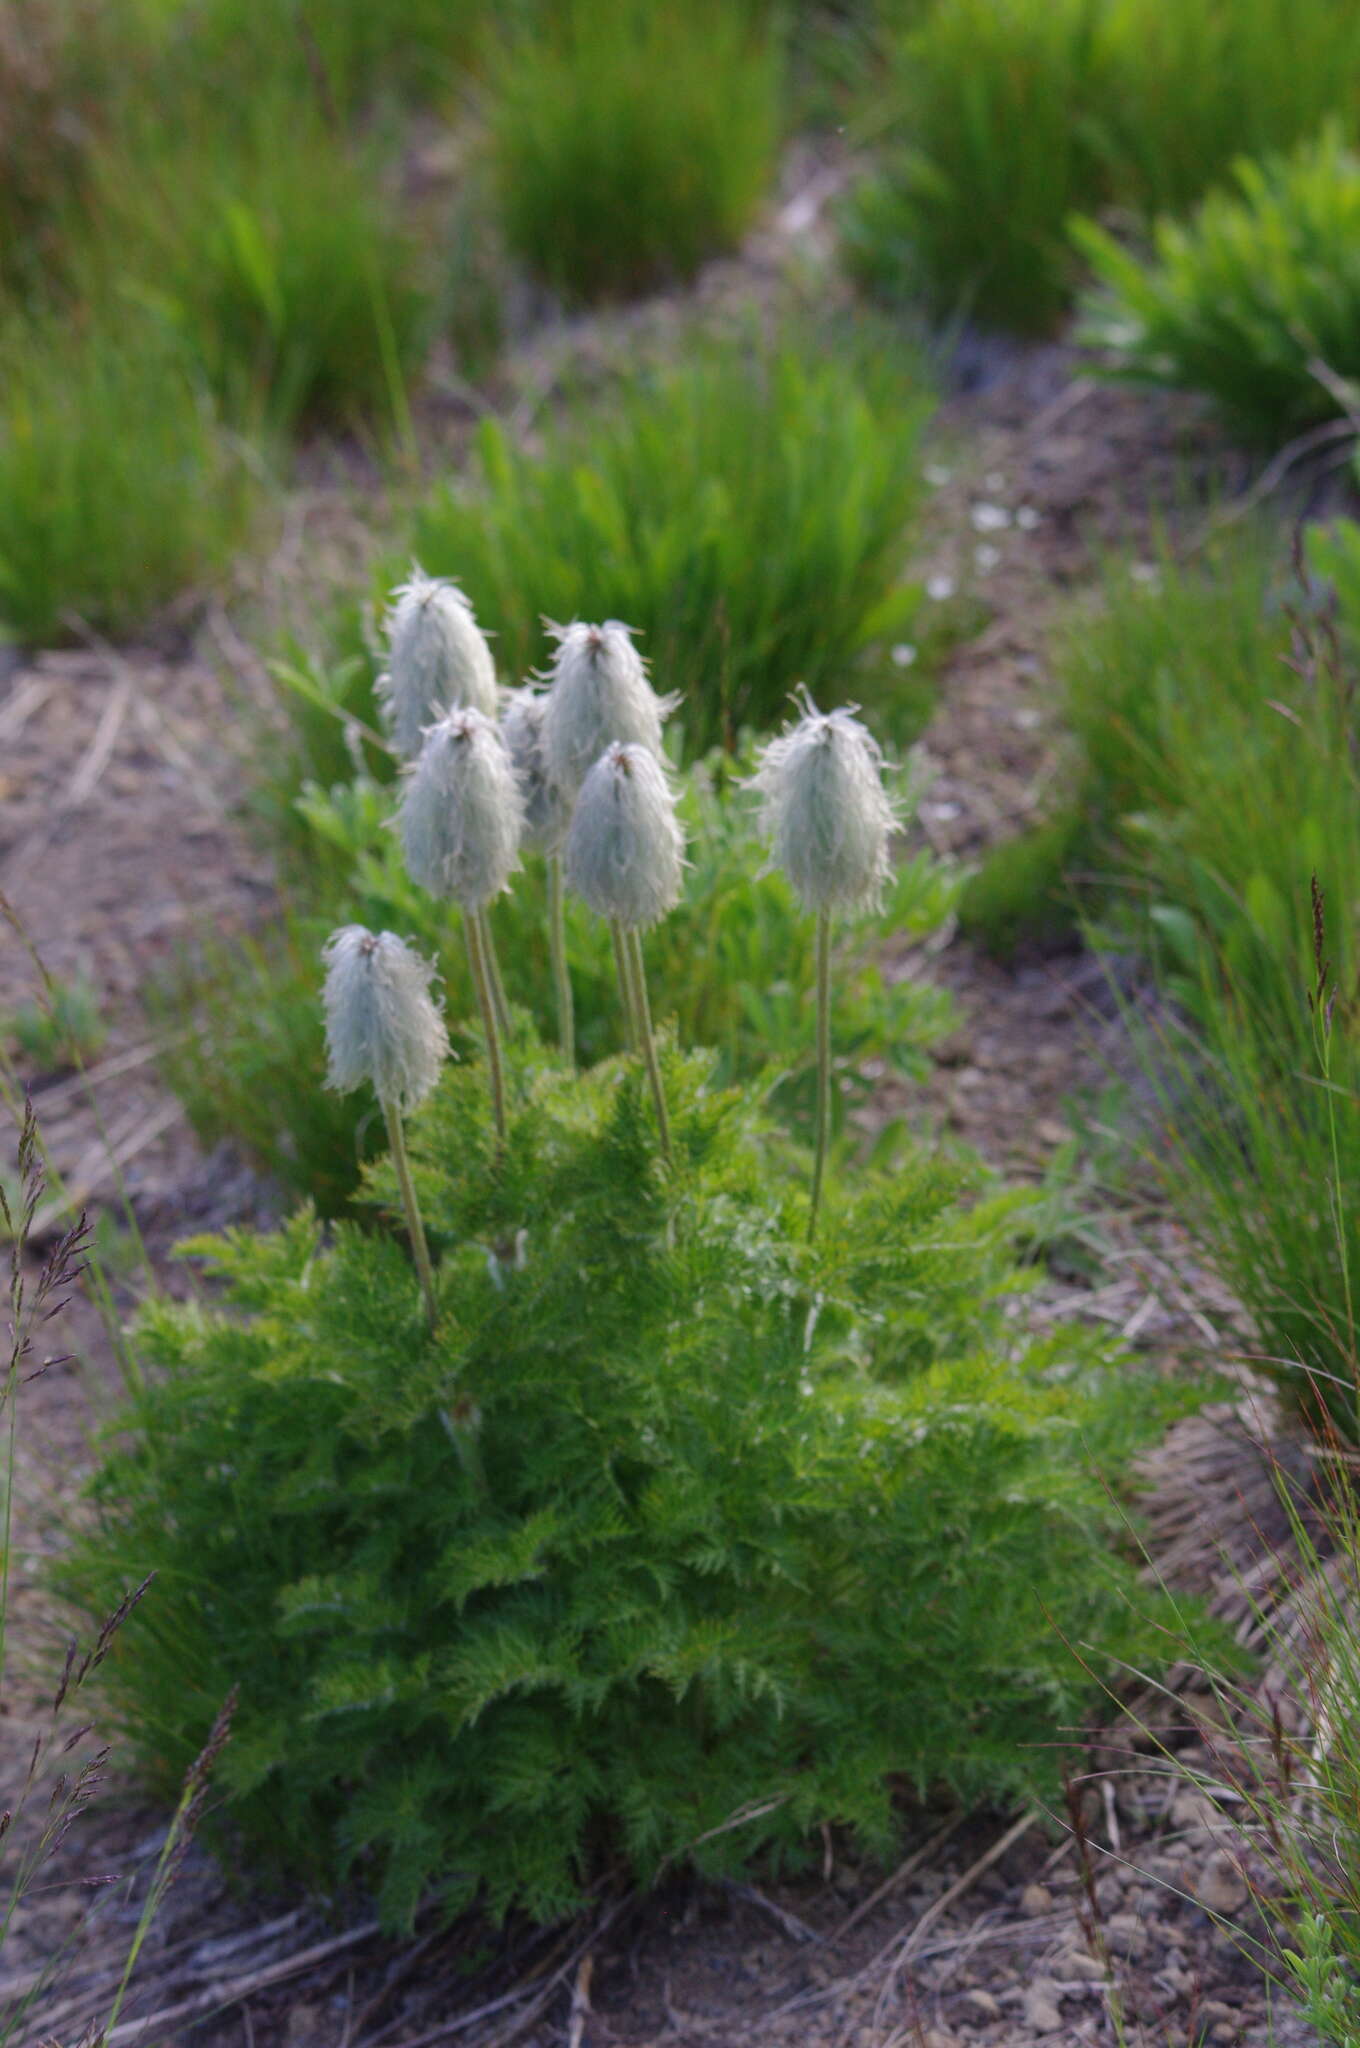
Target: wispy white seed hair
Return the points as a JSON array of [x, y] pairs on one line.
[[462, 815], [382, 1024], [825, 811], [546, 809], [625, 851], [438, 659], [598, 693]]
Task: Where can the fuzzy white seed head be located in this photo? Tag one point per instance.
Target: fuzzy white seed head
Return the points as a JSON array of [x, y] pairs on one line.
[[438, 659], [546, 809], [462, 814], [599, 693], [625, 850], [382, 1024], [825, 810]]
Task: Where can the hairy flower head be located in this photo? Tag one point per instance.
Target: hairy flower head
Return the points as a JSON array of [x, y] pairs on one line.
[[461, 813], [625, 850], [598, 693], [825, 810], [546, 809], [382, 1024], [438, 659]]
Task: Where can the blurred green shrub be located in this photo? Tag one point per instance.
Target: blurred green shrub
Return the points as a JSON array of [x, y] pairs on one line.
[[1215, 708], [1001, 118], [637, 1559], [1243, 300], [746, 508], [118, 486], [731, 967], [633, 138], [272, 248]]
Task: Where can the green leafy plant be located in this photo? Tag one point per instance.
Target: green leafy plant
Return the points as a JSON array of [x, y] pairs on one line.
[[118, 487], [675, 1540], [651, 499], [64, 1028], [1001, 118], [1214, 705], [630, 141], [272, 248], [243, 1036], [1250, 299]]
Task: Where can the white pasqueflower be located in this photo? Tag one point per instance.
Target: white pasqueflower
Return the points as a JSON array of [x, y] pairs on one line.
[[438, 659], [598, 693], [461, 813], [825, 810], [382, 1024], [625, 849], [546, 809]]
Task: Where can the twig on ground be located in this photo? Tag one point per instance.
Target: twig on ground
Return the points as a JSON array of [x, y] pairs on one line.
[[899, 1876]]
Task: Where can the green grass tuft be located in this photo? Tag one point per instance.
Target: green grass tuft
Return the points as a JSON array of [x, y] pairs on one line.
[[633, 138]]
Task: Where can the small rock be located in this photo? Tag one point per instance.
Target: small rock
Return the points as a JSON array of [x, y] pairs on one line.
[[1220, 1885], [1041, 2006], [1126, 1934], [933, 2038], [1077, 1963], [1224, 2030], [1035, 1899], [983, 2004], [1051, 1132]]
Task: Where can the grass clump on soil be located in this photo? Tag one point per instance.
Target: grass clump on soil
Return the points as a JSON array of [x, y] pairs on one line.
[[1214, 709], [1249, 300], [633, 138], [636, 1559], [1002, 120], [274, 251], [730, 967], [118, 486], [651, 501]]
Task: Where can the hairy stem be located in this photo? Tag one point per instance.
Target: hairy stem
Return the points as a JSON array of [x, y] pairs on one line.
[[486, 1004], [647, 1038], [396, 1138], [621, 968], [823, 1063], [557, 947], [493, 974]]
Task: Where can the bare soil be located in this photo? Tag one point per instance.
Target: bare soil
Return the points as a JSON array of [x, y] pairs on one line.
[[122, 832]]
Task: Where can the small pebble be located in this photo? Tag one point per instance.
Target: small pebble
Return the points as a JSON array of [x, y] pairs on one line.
[[983, 2004], [1036, 1898], [1077, 1963], [1041, 2006], [1220, 1886], [990, 518], [939, 588], [985, 557]]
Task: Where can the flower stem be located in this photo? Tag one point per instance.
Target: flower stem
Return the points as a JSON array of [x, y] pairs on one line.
[[616, 933], [493, 974], [486, 1004], [647, 1037], [823, 1063], [557, 947], [396, 1138]]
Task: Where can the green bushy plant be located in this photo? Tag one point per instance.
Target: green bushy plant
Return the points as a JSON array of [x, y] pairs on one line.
[[244, 1049], [998, 121], [274, 251], [118, 486], [630, 141], [651, 500], [677, 1539], [1215, 712], [1244, 299]]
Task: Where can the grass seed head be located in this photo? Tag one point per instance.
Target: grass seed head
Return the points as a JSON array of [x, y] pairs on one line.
[[599, 693], [382, 1024], [462, 813], [438, 660], [546, 810], [825, 810]]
